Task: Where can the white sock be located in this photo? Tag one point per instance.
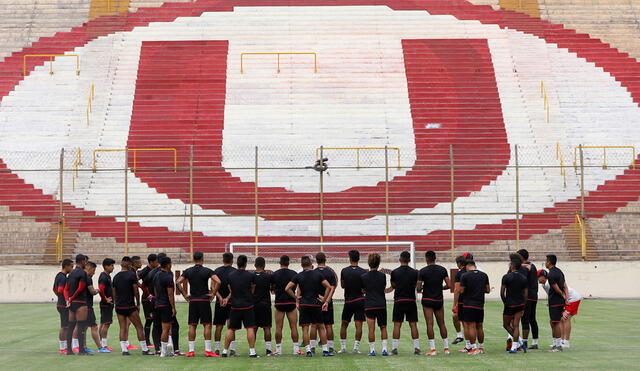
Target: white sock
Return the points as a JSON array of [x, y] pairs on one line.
[[467, 344], [534, 342], [127, 341], [192, 346], [459, 335], [509, 337], [313, 343], [123, 346], [372, 346], [104, 342], [520, 340], [224, 351], [171, 344], [384, 345], [556, 342], [296, 348], [480, 345], [445, 343], [514, 345], [279, 348], [232, 346], [75, 343], [207, 345], [308, 347], [63, 344], [473, 346], [565, 343], [416, 343], [217, 344], [356, 345], [325, 348], [143, 346], [252, 351], [343, 344], [432, 344], [394, 343], [267, 344], [330, 343]]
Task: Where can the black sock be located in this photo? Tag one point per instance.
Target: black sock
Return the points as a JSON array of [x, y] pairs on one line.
[[72, 326], [157, 329], [82, 336], [147, 330], [175, 334]]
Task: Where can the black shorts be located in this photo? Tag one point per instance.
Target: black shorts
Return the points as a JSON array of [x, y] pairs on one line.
[[262, 314], [127, 311], [405, 310], [64, 317], [379, 314], [327, 316], [240, 317], [555, 312], [433, 304], [310, 315], [512, 310], [529, 313], [471, 314], [460, 312], [147, 308], [199, 312], [220, 314], [353, 309], [106, 314], [285, 307], [76, 305], [91, 317], [164, 313]]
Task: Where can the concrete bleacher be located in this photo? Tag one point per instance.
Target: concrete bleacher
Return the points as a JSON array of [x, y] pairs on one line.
[[196, 95]]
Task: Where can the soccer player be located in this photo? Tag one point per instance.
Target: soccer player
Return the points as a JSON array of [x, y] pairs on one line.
[[127, 305], [430, 280], [474, 284], [90, 269], [529, 321], [241, 288], [353, 301], [404, 280], [327, 316], [284, 305], [313, 286], [58, 290], [165, 304], [513, 293], [199, 299], [571, 308], [221, 309], [147, 305], [147, 281], [457, 302], [557, 300], [106, 303], [375, 305], [76, 300], [262, 301]]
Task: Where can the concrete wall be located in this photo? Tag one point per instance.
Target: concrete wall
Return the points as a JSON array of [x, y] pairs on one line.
[[591, 279]]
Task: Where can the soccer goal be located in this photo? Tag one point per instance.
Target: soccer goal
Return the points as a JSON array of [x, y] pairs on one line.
[[335, 251]]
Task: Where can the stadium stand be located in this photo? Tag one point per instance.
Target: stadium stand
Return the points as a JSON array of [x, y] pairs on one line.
[[163, 86]]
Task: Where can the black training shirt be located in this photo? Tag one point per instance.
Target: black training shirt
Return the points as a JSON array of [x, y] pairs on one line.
[[89, 296], [104, 284], [374, 283], [58, 287], [474, 283], [351, 278], [515, 282], [405, 279], [223, 274], [310, 283], [555, 276], [262, 292], [162, 282], [532, 279], [142, 273], [123, 284], [432, 277], [198, 277], [281, 279], [458, 278], [77, 277], [329, 275], [148, 279], [241, 281]]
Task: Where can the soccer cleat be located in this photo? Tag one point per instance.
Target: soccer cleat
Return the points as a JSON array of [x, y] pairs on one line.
[[126, 353], [394, 352], [88, 350], [108, 348], [190, 354], [432, 352], [342, 351], [417, 351], [210, 355], [472, 352], [372, 354], [332, 350], [447, 351], [299, 353], [385, 353], [132, 347], [523, 346], [224, 355], [233, 353], [76, 350], [534, 346], [268, 353], [309, 354], [509, 342], [85, 354], [458, 340], [178, 353], [464, 350], [103, 350], [356, 351], [254, 356], [480, 351], [565, 346], [327, 354], [148, 353], [62, 351], [313, 350], [555, 349], [513, 351], [217, 351], [167, 355]]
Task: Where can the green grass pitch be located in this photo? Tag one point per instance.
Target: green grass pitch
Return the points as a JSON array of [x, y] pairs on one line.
[[604, 337]]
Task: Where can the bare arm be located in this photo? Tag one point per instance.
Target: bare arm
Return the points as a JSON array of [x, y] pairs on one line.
[[215, 286], [503, 293], [172, 300], [289, 290], [328, 291], [181, 280], [447, 284], [419, 286], [136, 294]]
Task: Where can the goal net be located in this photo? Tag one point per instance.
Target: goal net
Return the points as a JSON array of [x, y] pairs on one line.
[[336, 252]]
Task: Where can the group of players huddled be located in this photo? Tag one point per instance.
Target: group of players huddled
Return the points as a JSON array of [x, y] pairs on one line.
[[243, 299]]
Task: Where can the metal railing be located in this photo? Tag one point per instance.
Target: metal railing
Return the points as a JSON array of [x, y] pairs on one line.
[[51, 58], [583, 236], [545, 97], [90, 103], [358, 149], [315, 58], [135, 155], [604, 152], [563, 171], [77, 162]]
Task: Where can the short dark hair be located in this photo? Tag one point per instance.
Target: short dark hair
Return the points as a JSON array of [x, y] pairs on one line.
[[515, 256], [305, 261], [107, 262], [374, 260], [354, 256], [227, 258], [524, 253], [542, 273], [321, 258], [430, 256], [405, 257], [517, 263], [81, 258], [135, 258], [66, 262], [91, 264], [460, 260], [468, 256], [165, 261], [284, 260], [152, 258], [161, 255], [241, 261], [126, 259], [259, 263], [470, 262], [198, 256], [552, 259]]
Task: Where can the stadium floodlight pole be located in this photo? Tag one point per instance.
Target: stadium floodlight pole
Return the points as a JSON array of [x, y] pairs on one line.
[[191, 200], [386, 195], [255, 191], [517, 200], [61, 207], [321, 197], [581, 182], [126, 201], [452, 200]]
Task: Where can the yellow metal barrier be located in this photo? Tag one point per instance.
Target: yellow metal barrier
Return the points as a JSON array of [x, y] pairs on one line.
[[559, 156], [315, 59], [51, 57], [77, 162], [545, 97], [90, 102], [583, 236], [135, 152], [60, 239], [604, 149], [358, 152]]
